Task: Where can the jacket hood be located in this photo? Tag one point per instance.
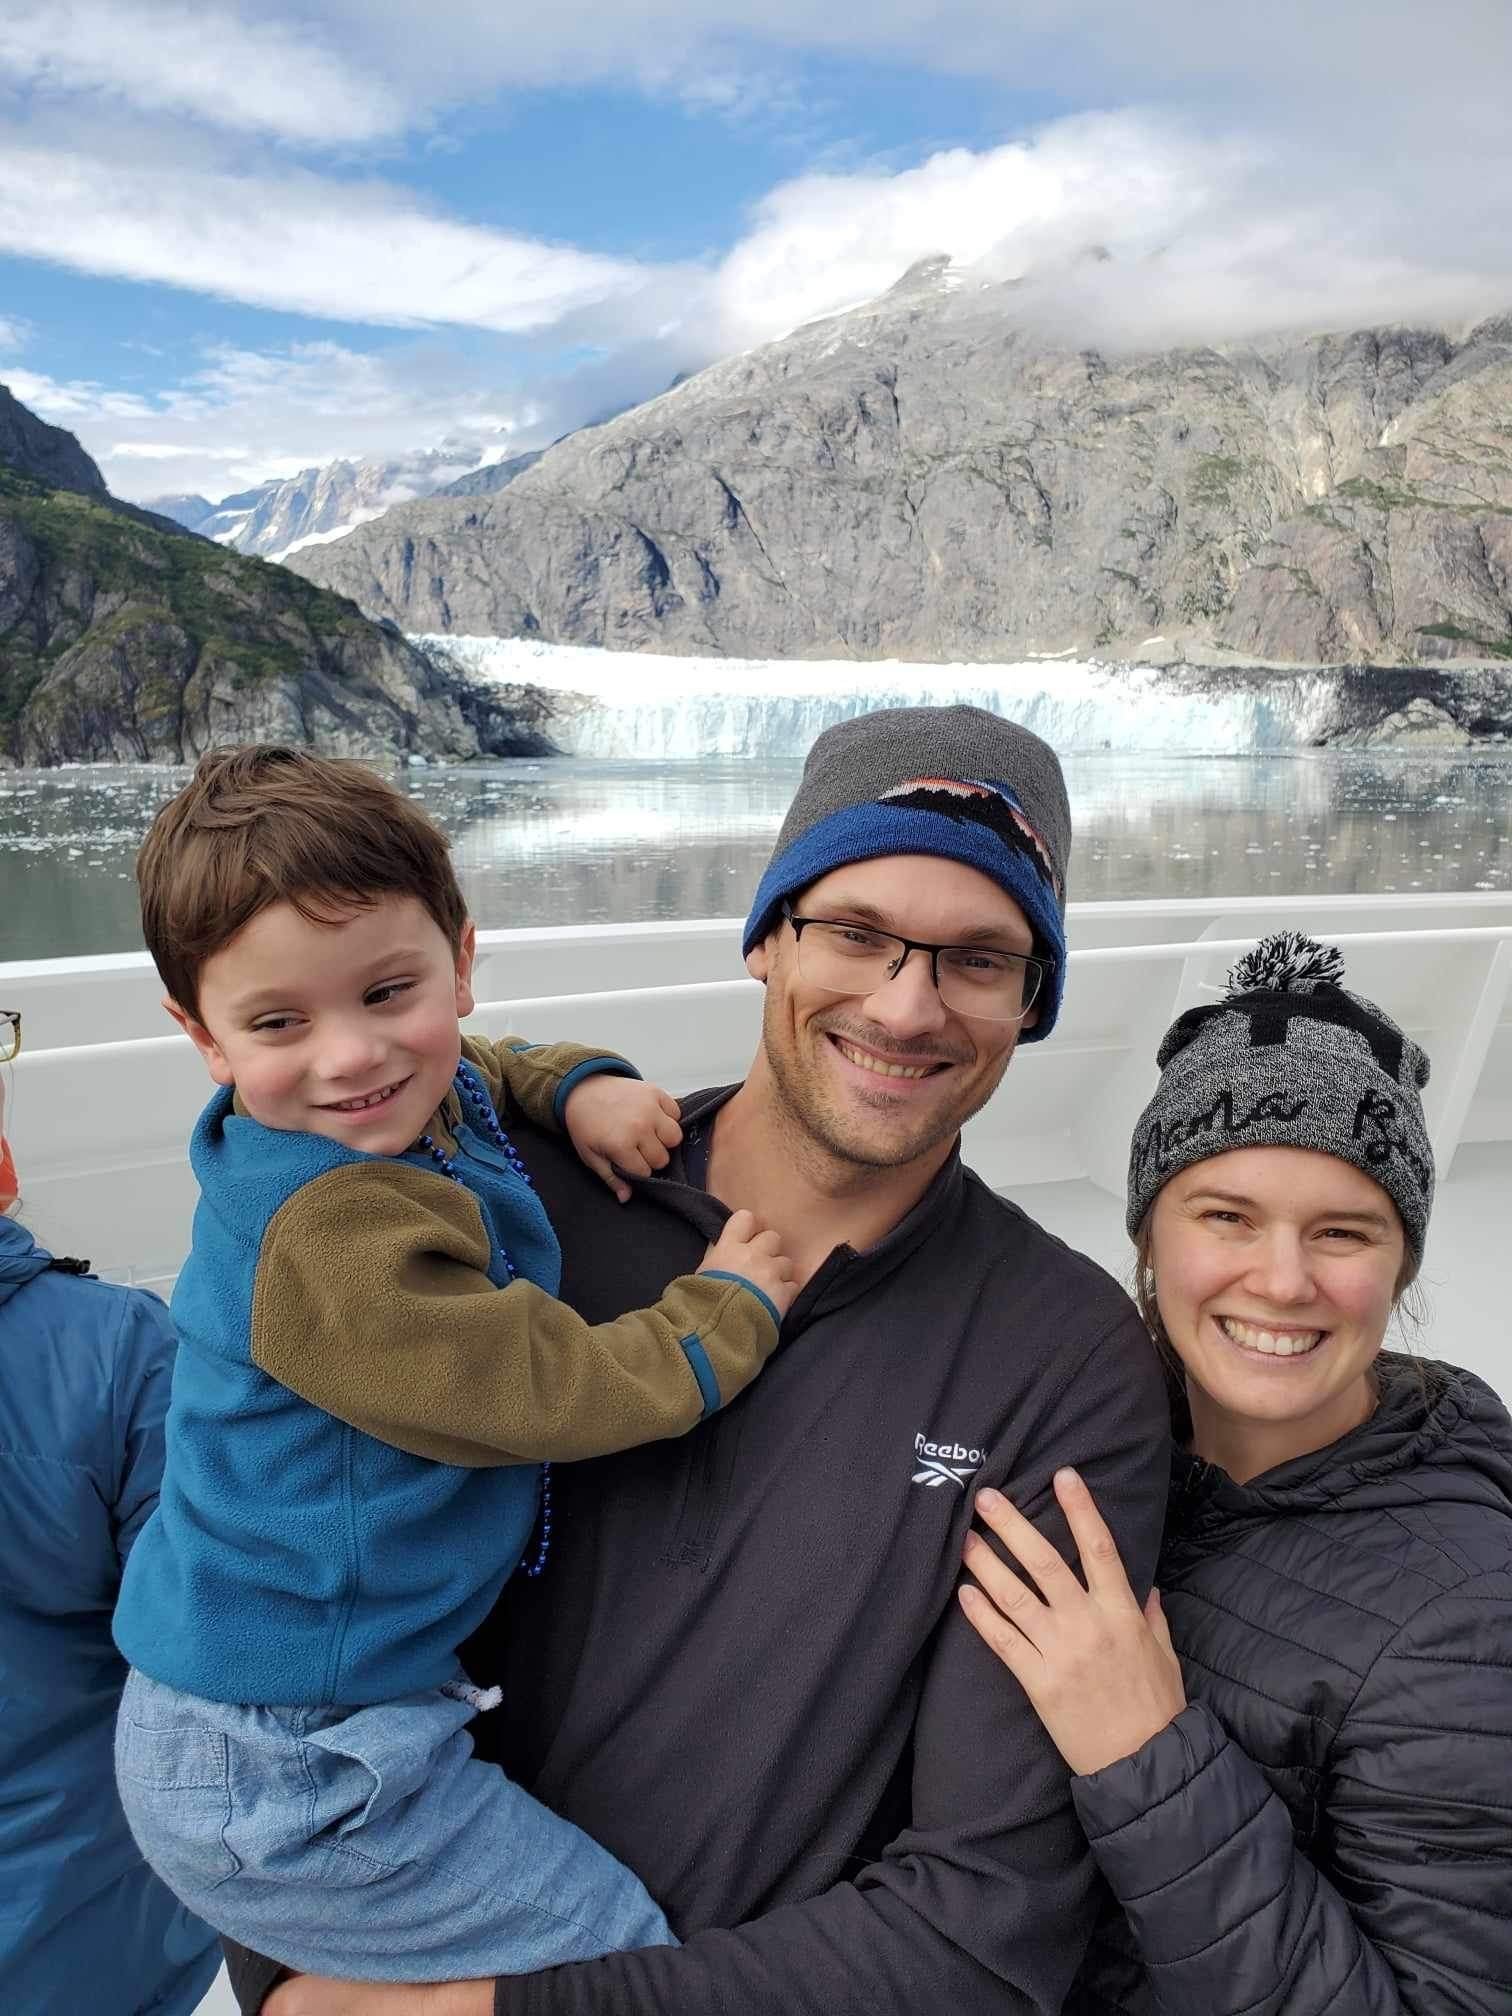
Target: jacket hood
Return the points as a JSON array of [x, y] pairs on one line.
[[21, 1258], [1438, 1432]]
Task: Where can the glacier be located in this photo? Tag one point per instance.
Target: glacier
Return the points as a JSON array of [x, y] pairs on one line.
[[638, 704]]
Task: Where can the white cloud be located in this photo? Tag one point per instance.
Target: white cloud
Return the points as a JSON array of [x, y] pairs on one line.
[[247, 416], [170, 56], [15, 333], [360, 251], [1207, 238]]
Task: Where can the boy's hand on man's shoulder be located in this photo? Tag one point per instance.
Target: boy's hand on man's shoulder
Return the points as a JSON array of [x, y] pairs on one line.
[[621, 1127]]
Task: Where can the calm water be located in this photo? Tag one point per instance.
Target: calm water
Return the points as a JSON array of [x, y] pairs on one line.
[[576, 841]]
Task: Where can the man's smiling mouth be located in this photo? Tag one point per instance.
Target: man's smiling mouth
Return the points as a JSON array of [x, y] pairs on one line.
[[881, 1068]]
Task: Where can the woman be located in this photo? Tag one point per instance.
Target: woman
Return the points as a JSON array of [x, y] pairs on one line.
[[1306, 1806], [84, 1373]]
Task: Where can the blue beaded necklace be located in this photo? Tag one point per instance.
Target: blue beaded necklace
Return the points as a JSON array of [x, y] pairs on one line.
[[475, 1094]]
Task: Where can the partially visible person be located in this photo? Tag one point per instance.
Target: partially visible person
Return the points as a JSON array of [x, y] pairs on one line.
[[84, 1375], [374, 1370], [1294, 1764]]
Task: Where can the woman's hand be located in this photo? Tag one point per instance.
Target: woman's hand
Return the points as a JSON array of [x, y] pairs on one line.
[[621, 1127], [1099, 1671]]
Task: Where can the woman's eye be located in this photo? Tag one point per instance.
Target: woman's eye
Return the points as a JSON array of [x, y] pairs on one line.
[[1349, 1232], [1221, 1217]]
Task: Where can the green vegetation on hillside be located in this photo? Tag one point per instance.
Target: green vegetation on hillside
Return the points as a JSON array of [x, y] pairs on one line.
[[246, 608]]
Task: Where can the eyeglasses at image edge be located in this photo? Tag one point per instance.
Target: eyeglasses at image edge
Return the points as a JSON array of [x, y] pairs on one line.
[[10, 1034], [1031, 968]]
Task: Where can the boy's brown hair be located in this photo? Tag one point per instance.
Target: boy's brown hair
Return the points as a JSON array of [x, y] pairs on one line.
[[269, 824]]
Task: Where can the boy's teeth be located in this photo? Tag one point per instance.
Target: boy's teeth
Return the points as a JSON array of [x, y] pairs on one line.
[[1273, 1343], [357, 1105], [868, 1063]]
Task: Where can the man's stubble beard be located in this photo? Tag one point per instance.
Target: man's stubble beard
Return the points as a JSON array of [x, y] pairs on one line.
[[803, 1102]]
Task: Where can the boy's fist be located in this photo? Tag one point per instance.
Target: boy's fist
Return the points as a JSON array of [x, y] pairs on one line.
[[621, 1127], [743, 1248]]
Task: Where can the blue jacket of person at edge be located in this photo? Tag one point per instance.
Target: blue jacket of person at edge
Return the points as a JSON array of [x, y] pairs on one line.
[[85, 1370]]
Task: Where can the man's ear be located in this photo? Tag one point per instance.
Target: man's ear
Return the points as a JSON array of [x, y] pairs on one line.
[[467, 952], [758, 961], [1030, 1019], [203, 1041]]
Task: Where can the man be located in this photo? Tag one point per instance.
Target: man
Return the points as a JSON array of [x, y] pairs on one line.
[[745, 1672]]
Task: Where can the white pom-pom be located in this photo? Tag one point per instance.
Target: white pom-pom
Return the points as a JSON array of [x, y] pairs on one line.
[[1288, 962]]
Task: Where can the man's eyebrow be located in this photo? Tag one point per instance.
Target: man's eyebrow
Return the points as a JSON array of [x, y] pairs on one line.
[[1243, 1203], [971, 934]]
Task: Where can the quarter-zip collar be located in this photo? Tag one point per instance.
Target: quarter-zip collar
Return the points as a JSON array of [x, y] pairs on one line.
[[846, 1274]]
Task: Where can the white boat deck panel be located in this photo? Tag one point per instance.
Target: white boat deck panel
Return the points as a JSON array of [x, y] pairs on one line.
[[104, 1100]]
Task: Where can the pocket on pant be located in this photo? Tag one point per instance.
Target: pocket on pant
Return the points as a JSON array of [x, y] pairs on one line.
[[175, 1784], [371, 1760]]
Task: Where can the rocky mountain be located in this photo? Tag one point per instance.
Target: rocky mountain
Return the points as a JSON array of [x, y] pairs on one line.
[[125, 638], [491, 477], [187, 509], [323, 503], [925, 477]]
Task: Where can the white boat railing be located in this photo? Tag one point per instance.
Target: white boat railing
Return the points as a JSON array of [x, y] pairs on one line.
[[103, 1102]]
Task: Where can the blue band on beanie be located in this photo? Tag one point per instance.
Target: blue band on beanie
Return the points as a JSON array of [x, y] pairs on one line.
[[867, 832]]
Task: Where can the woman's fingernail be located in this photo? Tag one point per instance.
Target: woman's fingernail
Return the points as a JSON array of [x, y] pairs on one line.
[[1066, 1475], [989, 1500]]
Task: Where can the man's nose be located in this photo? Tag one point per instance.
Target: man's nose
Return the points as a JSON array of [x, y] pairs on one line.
[[909, 1003]]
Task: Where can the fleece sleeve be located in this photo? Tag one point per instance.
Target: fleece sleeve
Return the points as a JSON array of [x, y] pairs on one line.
[[982, 1905], [373, 1302], [534, 1079], [142, 1374], [1414, 1914]]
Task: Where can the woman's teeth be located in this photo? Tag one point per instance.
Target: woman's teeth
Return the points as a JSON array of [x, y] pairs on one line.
[[1273, 1343], [869, 1063]]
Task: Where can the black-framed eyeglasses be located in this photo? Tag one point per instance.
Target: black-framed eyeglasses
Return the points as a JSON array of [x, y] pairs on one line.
[[10, 1034], [843, 958]]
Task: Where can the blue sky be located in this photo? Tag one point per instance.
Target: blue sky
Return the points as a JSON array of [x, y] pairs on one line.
[[236, 241]]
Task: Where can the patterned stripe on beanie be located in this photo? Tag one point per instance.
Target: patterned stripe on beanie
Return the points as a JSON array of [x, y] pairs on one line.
[[957, 782], [1289, 1058]]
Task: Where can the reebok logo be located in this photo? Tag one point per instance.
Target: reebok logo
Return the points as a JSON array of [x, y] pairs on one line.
[[942, 1463]]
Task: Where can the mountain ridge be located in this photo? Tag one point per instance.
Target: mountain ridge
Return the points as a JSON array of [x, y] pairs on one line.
[[124, 637], [923, 477]]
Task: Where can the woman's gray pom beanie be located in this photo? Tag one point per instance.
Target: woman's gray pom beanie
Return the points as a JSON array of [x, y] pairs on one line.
[[1289, 1058]]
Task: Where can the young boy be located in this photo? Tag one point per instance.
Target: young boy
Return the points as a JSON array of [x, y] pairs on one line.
[[292, 1750]]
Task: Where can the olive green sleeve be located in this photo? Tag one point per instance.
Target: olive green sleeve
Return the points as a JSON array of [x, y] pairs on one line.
[[373, 1302], [535, 1078]]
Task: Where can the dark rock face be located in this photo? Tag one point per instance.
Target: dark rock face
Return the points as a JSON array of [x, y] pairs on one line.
[[124, 638], [49, 454], [920, 478]]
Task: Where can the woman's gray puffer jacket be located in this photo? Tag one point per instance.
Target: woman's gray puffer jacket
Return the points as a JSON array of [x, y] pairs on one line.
[[1327, 1826]]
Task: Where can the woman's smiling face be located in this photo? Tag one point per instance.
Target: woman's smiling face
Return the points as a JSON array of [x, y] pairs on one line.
[[1276, 1272]]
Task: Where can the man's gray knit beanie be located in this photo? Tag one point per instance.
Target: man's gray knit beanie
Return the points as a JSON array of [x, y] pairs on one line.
[[958, 782], [1289, 1058]]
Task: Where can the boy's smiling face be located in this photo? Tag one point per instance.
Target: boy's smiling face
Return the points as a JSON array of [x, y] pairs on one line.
[[347, 1029]]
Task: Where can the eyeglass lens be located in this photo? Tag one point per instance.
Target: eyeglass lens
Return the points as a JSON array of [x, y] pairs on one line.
[[10, 1034], [845, 959]]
